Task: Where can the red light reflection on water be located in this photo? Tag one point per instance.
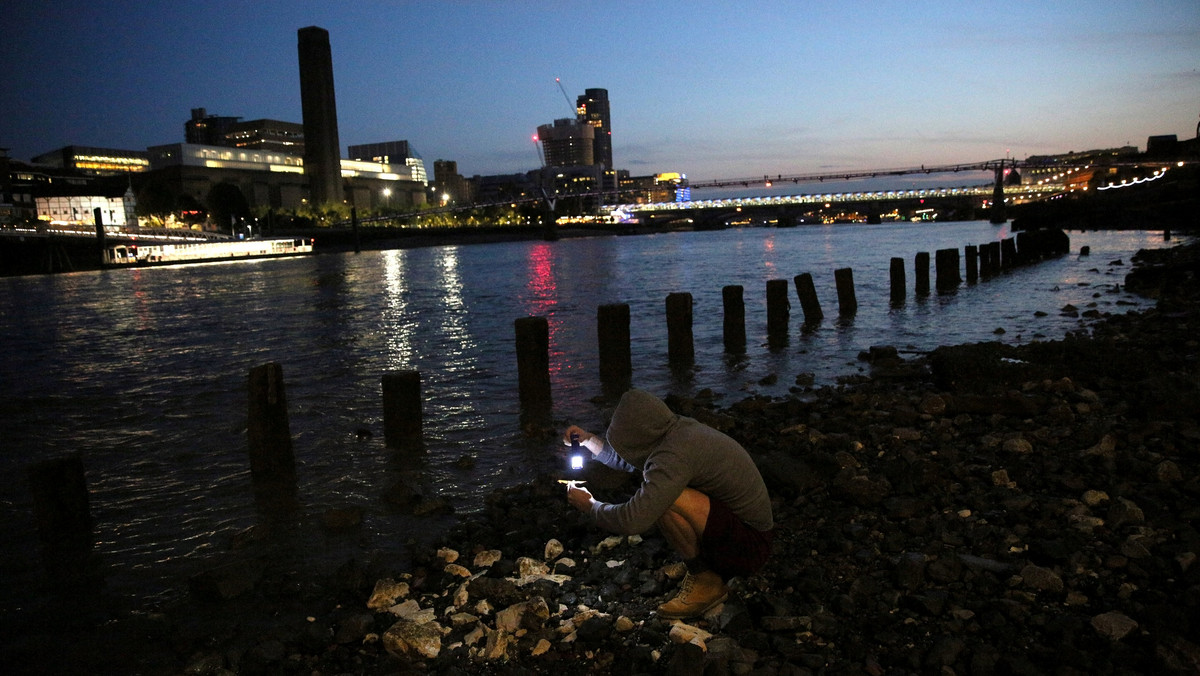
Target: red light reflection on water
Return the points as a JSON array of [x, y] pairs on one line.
[[542, 298]]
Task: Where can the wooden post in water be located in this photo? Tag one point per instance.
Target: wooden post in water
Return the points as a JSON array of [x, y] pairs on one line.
[[735, 319], [533, 362], [272, 465], [61, 512], [681, 351], [612, 333], [948, 277], [1008, 253], [898, 283], [989, 254], [922, 272], [354, 228], [100, 243], [972, 263], [778, 309], [807, 292], [847, 303], [403, 422]]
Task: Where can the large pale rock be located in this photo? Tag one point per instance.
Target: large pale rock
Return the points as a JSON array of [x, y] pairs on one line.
[[387, 592], [529, 614], [527, 566], [497, 645], [406, 638], [686, 633], [413, 612], [486, 558]]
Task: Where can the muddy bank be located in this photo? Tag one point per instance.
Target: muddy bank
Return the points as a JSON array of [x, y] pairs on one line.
[[983, 510]]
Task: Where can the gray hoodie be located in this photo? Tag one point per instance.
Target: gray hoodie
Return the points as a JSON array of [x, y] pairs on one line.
[[673, 453]]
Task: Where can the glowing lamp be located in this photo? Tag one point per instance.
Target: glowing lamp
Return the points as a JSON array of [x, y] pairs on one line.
[[575, 459]]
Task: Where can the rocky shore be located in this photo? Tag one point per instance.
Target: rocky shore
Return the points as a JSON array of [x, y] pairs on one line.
[[981, 510]]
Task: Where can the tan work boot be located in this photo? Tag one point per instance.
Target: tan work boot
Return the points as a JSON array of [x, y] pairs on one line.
[[697, 594]]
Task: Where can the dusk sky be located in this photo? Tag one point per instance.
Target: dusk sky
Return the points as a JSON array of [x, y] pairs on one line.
[[711, 89]]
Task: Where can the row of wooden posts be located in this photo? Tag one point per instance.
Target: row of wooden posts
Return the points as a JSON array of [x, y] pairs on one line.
[[984, 261], [60, 490]]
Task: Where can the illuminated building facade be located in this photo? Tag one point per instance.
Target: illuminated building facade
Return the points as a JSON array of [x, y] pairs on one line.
[[95, 161], [80, 209], [277, 180], [592, 109], [449, 185], [392, 152], [273, 135], [567, 143], [208, 130]]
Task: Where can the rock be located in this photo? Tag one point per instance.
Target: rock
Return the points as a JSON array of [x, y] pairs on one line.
[[406, 638], [1041, 579], [1105, 448], [554, 549], [527, 567], [447, 555], [1124, 512], [486, 558], [686, 633], [527, 614], [1019, 446], [387, 591], [1113, 625]]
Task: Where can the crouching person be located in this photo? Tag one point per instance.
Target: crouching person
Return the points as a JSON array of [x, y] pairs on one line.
[[699, 487]]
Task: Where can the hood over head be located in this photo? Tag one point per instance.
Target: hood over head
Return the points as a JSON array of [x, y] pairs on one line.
[[638, 426]]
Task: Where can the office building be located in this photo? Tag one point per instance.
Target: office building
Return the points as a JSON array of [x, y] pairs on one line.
[[207, 130], [391, 152], [272, 135], [567, 143], [449, 185], [276, 180], [592, 109], [318, 104]]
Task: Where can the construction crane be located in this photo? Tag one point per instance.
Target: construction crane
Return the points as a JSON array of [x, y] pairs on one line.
[[565, 97]]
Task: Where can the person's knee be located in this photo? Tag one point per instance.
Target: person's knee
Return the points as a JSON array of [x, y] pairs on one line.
[[690, 508]]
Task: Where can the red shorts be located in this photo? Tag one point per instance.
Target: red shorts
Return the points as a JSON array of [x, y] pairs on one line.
[[729, 546]]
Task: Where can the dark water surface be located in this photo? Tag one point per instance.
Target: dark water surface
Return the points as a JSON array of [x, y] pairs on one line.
[[143, 372]]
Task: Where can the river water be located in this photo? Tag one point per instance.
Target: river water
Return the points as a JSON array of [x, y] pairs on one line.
[[143, 372]]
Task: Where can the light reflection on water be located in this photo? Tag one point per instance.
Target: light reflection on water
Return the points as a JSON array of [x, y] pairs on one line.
[[144, 371]]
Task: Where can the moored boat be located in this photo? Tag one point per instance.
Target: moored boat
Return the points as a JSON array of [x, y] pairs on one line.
[[131, 255]]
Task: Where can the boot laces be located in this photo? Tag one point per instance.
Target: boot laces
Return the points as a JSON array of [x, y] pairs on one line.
[[685, 586]]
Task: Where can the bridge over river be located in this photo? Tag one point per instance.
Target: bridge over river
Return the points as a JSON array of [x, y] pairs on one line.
[[960, 203]]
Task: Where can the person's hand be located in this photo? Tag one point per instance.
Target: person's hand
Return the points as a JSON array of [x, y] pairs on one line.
[[579, 498], [591, 442]]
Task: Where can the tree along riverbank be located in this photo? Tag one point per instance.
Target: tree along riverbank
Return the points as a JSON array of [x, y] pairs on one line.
[[986, 509]]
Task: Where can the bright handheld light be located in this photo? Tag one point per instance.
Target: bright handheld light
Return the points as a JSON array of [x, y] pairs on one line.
[[576, 457]]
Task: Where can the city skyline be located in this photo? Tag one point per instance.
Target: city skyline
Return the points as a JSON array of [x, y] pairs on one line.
[[707, 89]]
